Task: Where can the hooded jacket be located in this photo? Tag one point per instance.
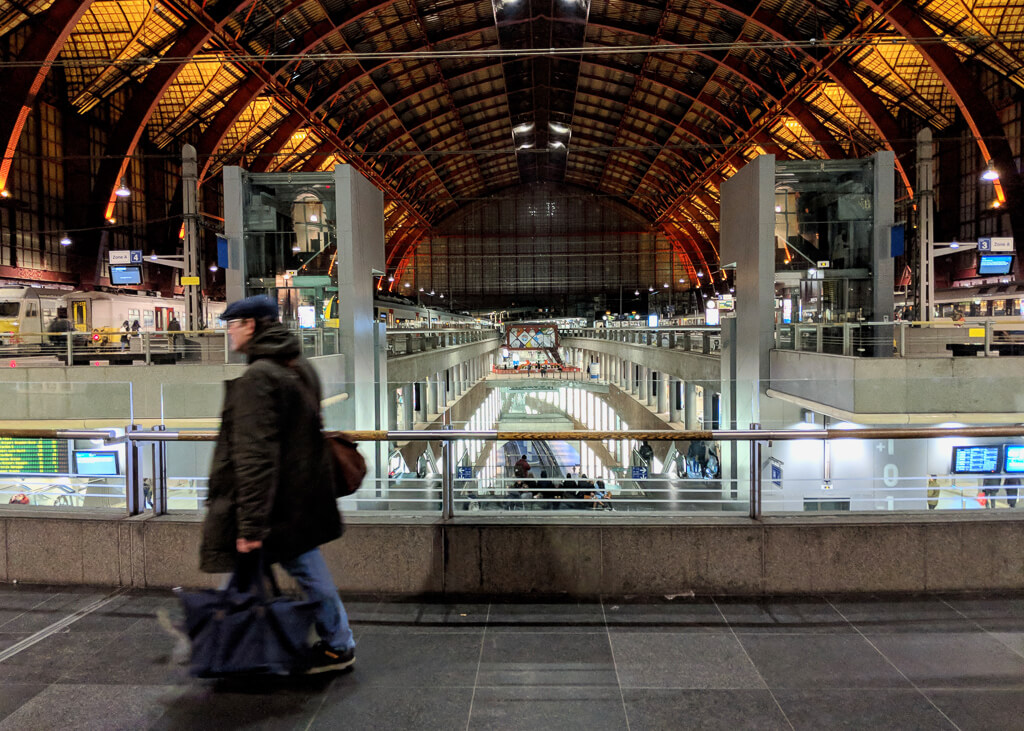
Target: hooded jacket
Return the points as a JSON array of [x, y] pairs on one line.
[[269, 479]]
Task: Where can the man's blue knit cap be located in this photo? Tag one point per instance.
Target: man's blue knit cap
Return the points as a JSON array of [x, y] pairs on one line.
[[258, 307]]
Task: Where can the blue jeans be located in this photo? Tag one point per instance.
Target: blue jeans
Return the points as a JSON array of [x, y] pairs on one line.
[[311, 573]]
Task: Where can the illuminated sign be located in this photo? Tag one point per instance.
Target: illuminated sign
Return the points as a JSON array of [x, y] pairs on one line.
[[532, 337], [35, 456]]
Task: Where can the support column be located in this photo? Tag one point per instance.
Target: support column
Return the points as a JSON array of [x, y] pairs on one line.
[[690, 406], [458, 384], [408, 415], [709, 408], [431, 389], [392, 408], [663, 393], [645, 378], [675, 414]]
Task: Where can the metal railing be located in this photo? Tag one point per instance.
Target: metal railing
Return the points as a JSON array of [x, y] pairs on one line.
[[209, 347], [745, 481], [700, 340], [900, 339], [408, 342]]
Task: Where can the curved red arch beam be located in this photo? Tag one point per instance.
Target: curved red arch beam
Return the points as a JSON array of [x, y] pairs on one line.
[[977, 109], [22, 83]]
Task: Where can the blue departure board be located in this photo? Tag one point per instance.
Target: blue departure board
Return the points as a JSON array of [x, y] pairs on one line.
[[34, 456], [1014, 458], [977, 460]]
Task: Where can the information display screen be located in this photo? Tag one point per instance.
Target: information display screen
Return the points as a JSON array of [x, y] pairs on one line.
[[980, 460], [1014, 459], [990, 264], [127, 274], [96, 463], [33, 456]]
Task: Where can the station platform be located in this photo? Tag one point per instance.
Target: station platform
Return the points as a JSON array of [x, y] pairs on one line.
[[90, 658]]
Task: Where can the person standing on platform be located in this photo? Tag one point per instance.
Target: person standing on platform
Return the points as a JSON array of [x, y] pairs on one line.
[[270, 483], [175, 340]]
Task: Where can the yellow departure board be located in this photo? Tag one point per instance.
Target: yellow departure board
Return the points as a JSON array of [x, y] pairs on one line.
[[41, 456]]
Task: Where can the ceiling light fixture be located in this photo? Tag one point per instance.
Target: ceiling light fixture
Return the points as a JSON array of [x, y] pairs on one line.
[[990, 174], [558, 128], [522, 129], [313, 218], [213, 267], [65, 240], [5, 193], [123, 191]]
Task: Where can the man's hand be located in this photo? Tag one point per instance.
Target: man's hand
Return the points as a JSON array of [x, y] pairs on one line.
[[245, 546]]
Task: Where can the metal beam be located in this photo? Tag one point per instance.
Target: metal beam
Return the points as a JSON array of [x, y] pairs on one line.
[[22, 83]]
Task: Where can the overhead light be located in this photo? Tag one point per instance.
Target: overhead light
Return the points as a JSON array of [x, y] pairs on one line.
[[556, 145], [313, 218], [990, 174], [123, 191], [296, 248], [442, 295], [700, 274], [732, 289], [522, 129], [778, 209], [213, 267], [681, 280], [391, 279], [407, 284], [65, 240], [421, 289], [558, 128], [152, 257], [111, 220], [5, 193], [665, 285], [431, 293], [526, 146], [637, 292], [954, 245]]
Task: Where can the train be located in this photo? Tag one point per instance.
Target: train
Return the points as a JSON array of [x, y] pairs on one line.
[[26, 313]]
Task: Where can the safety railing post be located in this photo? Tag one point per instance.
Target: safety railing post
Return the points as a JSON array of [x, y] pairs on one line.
[[447, 483], [160, 488], [903, 341], [755, 476], [133, 493], [988, 337], [146, 341], [69, 346]]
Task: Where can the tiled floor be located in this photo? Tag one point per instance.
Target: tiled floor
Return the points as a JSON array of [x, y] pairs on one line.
[[804, 663]]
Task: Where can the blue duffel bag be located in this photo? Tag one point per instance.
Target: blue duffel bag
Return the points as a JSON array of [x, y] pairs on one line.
[[247, 628]]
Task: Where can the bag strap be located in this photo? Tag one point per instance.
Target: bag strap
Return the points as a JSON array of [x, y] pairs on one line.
[[254, 574]]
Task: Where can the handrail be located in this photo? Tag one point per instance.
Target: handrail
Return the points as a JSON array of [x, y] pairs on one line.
[[136, 438], [663, 435]]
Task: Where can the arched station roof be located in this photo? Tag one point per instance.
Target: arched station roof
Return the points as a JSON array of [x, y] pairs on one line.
[[444, 102]]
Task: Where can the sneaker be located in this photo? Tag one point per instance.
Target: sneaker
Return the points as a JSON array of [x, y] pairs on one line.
[[325, 659]]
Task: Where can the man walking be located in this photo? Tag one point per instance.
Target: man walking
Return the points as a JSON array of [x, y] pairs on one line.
[[270, 484]]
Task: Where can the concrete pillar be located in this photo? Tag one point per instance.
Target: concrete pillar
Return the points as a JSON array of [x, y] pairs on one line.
[[663, 393], [645, 378], [459, 382], [430, 386], [690, 406], [675, 414], [709, 408], [407, 411], [392, 408]]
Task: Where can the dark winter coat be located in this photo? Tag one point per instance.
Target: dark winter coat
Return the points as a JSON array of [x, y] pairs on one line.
[[269, 480]]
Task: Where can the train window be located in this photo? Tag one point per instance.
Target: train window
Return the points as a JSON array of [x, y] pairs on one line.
[[8, 309], [32, 310]]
